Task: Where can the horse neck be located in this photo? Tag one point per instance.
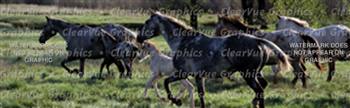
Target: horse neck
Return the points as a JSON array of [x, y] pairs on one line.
[[63, 28], [171, 33], [306, 30], [155, 55]]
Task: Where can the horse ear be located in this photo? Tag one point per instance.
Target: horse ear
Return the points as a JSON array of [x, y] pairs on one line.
[[279, 17], [47, 18], [153, 12]]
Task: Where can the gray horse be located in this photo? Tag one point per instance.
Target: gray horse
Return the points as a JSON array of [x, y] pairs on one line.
[[83, 42], [197, 55], [282, 38], [333, 39]]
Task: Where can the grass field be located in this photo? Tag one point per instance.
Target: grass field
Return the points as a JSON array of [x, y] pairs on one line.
[[27, 83]]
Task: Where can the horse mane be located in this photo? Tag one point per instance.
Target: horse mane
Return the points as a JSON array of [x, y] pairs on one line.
[[152, 45], [61, 23], [237, 21], [174, 20], [297, 21]]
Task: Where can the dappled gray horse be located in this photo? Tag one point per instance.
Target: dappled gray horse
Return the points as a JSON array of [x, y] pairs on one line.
[[197, 55], [285, 39], [334, 40], [82, 42]]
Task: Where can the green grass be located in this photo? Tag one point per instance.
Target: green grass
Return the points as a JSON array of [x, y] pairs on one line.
[[47, 84], [42, 84]]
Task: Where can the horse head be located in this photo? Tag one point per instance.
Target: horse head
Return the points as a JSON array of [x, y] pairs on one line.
[[150, 29], [48, 31]]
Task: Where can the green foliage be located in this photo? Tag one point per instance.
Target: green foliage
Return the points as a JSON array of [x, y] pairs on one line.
[[313, 11]]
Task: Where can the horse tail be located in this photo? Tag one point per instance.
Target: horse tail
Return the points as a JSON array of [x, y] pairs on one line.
[[283, 57], [308, 39]]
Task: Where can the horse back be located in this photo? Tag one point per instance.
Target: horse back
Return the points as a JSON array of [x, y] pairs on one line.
[[83, 42]]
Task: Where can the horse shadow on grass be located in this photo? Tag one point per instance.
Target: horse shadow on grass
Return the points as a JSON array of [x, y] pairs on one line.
[[91, 79], [217, 85], [317, 103]]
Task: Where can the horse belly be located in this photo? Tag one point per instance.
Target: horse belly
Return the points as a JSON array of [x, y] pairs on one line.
[[333, 41], [84, 47]]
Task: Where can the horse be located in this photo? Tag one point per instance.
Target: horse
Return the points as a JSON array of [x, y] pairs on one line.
[[201, 56], [118, 51], [121, 34], [83, 42], [162, 65], [282, 38], [326, 36]]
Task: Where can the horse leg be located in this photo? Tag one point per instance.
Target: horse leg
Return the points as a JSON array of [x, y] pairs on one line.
[[157, 90], [81, 73], [258, 101], [331, 72], [129, 69], [299, 73], [150, 83], [263, 83], [190, 88], [304, 77], [296, 72], [121, 68], [182, 89], [167, 81], [68, 59], [275, 70], [200, 87], [101, 68], [108, 69]]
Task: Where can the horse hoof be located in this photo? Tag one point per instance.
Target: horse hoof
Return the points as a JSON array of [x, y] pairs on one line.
[[94, 78], [100, 78], [163, 99], [128, 76], [255, 103], [305, 86], [294, 82], [81, 74], [147, 98], [258, 103], [177, 102]]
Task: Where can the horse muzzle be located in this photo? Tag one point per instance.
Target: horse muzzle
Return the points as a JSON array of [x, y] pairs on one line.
[[42, 41]]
